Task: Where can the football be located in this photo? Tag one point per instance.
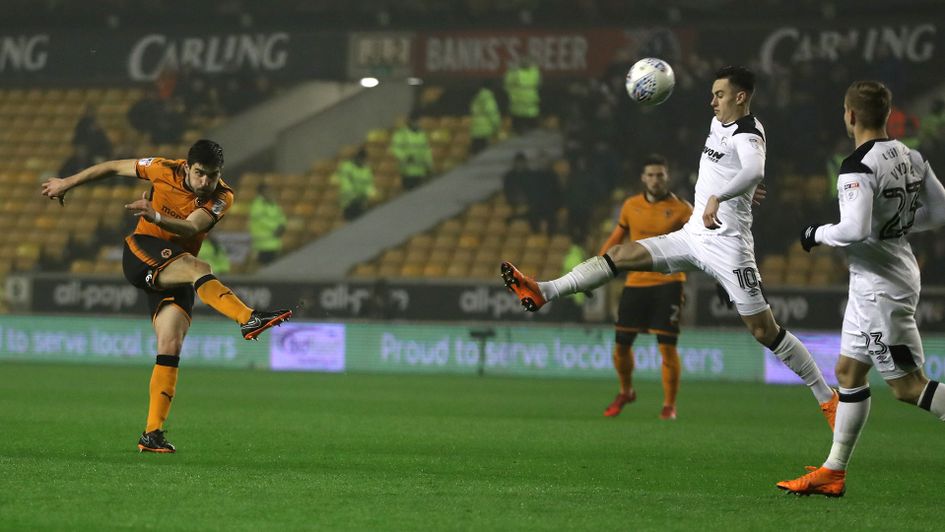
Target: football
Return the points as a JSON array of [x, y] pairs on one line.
[[650, 81]]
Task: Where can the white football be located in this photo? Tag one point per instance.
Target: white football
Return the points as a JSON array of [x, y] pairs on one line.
[[650, 81]]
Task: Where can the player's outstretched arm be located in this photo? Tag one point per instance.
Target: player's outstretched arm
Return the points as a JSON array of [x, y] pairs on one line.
[[56, 188], [856, 215]]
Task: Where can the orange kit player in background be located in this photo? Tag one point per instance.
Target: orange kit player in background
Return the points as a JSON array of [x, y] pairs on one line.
[[186, 199], [651, 302]]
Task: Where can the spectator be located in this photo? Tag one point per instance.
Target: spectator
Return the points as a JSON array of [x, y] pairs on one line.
[[411, 146], [214, 253], [580, 198], [515, 184], [162, 121], [543, 197], [932, 135], [266, 226], [355, 182], [90, 134], [78, 161], [144, 113], [168, 127], [485, 120], [522, 82], [199, 98]]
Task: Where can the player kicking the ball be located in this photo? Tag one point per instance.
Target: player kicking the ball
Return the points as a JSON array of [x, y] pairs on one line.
[[185, 201], [717, 239], [885, 192]]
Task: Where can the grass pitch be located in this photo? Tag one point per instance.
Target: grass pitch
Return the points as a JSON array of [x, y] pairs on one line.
[[261, 450]]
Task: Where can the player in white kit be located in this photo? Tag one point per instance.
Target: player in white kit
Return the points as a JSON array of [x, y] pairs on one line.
[[885, 192], [717, 238]]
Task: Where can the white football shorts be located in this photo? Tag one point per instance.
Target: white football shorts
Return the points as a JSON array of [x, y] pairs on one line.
[[730, 260], [881, 331]]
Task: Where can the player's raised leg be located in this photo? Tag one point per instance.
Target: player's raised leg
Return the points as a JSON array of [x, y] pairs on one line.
[[586, 276], [191, 270]]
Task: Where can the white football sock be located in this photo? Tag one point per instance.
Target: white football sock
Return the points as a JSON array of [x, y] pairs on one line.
[[852, 412], [588, 275], [933, 399], [792, 352]]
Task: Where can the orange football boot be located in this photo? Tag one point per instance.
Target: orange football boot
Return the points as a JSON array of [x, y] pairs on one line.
[[668, 412], [829, 409], [820, 481], [523, 286], [615, 407]]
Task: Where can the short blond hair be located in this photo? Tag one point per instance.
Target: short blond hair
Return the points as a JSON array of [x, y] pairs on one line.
[[871, 101]]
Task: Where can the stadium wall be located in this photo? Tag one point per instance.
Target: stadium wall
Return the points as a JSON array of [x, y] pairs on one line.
[[394, 347]]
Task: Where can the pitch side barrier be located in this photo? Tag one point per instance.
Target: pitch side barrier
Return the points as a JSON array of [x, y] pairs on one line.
[[532, 350], [804, 308]]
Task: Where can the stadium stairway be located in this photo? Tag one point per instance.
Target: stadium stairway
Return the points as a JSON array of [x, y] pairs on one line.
[[332, 256]]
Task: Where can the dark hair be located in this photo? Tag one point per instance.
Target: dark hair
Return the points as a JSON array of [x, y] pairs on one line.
[[739, 76], [207, 153], [871, 101], [654, 158]]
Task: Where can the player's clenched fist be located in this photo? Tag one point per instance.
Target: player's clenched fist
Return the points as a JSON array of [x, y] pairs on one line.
[[808, 240]]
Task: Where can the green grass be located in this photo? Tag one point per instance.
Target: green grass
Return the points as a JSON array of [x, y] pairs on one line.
[[260, 450]]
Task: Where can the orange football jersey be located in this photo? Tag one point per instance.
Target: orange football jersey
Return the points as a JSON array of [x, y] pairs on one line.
[[644, 220], [171, 196]]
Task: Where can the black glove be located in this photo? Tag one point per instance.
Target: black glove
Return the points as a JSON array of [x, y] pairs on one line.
[[807, 237], [723, 295]]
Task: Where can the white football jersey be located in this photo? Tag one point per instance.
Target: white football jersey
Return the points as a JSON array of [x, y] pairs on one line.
[[720, 163], [878, 185]]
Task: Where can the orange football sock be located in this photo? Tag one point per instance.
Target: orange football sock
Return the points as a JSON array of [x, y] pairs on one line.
[[215, 294], [671, 371], [163, 386], [623, 363]]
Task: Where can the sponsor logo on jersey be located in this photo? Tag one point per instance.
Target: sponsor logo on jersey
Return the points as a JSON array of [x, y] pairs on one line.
[[712, 154]]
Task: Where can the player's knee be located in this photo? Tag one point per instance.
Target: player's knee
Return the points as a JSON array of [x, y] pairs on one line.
[[201, 267], [625, 338], [909, 390], [906, 394], [761, 333], [665, 339], [630, 256], [170, 346]]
